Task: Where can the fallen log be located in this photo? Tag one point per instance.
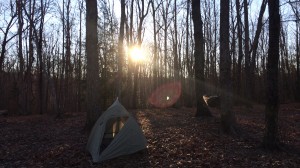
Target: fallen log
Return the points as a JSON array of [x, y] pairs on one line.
[[3, 112]]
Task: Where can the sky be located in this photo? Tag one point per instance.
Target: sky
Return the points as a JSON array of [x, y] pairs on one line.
[[53, 21]]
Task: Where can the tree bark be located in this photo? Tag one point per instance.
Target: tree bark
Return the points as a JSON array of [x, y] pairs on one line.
[[121, 49], [295, 9], [142, 15], [21, 84], [248, 94], [298, 63], [68, 70], [202, 109], [79, 74], [271, 140], [227, 116], [92, 78], [255, 46], [175, 45], [6, 39], [240, 47], [155, 59]]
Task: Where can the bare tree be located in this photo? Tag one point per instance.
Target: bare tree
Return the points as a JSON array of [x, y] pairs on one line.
[[202, 109], [155, 52], [142, 13], [175, 44], [271, 140], [295, 8], [227, 116], [121, 48], [92, 78], [37, 32], [21, 86], [79, 65], [20, 34], [68, 69], [6, 37], [248, 93], [187, 59], [254, 46], [166, 24], [240, 47]]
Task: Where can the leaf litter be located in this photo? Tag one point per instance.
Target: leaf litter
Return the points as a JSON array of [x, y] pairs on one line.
[[175, 139]]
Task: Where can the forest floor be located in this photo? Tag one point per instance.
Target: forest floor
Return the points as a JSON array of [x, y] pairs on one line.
[[175, 139]]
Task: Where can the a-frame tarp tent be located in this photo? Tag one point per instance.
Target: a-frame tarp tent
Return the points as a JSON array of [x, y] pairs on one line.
[[115, 133]]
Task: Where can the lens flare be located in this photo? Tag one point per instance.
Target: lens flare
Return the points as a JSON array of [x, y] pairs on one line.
[[165, 95], [137, 54]]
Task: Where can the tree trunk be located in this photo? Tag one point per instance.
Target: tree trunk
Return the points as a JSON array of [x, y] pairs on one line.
[[297, 66], [155, 59], [92, 78], [21, 84], [175, 45], [240, 48], [5, 39], [121, 49], [227, 116], [68, 57], [79, 57], [255, 46], [142, 15], [188, 97], [39, 44], [248, 94], [270, 140], [166, 25], [297, 95], [202, 109]]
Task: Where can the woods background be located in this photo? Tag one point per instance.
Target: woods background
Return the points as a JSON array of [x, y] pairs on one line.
[[43, 56]]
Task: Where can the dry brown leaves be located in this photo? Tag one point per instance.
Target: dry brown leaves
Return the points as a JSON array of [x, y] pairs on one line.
[[175, 139]]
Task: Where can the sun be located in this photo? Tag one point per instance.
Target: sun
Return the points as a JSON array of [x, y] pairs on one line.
[[137, 54]]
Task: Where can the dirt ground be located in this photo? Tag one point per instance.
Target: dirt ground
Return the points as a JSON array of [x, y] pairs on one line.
[[175, 139]]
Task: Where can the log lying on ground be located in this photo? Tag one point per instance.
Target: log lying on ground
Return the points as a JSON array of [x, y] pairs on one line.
[[212, 101], [3, 112]]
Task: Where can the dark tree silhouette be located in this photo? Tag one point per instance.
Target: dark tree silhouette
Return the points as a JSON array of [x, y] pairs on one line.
[[121, 48], [202, 109], [227, 116], [270, 140], [92, 74]]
